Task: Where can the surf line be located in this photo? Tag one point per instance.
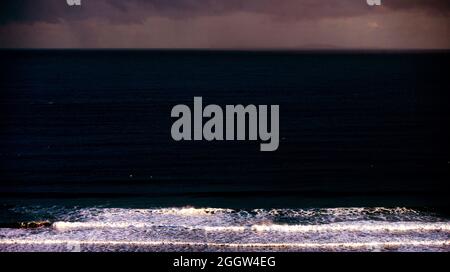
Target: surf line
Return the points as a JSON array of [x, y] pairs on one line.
[[235, 126], [330, 245]]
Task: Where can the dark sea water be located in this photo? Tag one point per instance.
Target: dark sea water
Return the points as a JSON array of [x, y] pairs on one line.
[[363, 161]]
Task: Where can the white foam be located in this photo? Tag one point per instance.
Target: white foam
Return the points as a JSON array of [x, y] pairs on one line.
[[296, 229], [368, 226], [358, 227], [349, 245]]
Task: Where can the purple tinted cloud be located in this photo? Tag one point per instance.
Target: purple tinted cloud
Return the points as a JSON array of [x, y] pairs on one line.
[[225, 24], [137, 10]]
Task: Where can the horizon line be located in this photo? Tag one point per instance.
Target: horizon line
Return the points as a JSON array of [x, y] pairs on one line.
[[225, 49]]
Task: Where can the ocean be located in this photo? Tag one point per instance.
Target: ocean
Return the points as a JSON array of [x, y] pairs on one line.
[[87, 162]]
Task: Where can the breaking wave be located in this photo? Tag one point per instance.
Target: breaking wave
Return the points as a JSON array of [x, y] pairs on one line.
[[212, 229]]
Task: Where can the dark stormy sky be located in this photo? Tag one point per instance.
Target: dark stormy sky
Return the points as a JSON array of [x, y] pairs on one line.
[[396, 24]]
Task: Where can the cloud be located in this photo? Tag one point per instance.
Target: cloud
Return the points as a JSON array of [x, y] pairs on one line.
[[437, 7], [225, 24], [131, 11]]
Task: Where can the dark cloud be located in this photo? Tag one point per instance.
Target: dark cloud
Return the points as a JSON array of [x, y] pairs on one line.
[[137, 10], [441, 7], [396, 24]]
